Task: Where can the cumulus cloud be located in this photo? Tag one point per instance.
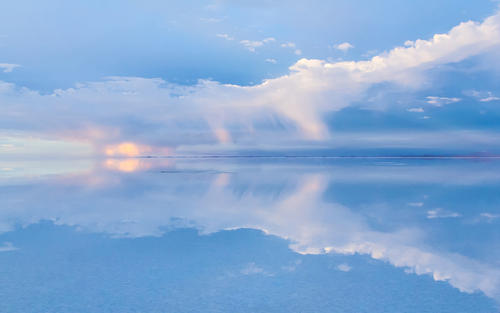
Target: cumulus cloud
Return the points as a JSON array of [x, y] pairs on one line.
[[344, 47], [7, 67], [290, 107]]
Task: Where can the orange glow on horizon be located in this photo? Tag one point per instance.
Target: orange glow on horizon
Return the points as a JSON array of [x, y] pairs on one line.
[[123, 149], [130, 149]]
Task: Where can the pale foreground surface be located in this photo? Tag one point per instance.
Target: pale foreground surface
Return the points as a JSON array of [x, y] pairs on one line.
[[250, 235]]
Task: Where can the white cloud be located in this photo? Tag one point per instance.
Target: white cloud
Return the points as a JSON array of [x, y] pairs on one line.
[[252, 45], [296, 102], [490, 98], [483, 96], [292, 46], [344, 47], [225, 36], [440, 101], [269, 39], [292, 267], [489, 216], [288, 45], [344, 267], [441, 213], [273, 61], [417, 110], [7, 67]]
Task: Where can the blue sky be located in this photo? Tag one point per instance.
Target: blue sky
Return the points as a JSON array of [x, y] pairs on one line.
[[234, 75]]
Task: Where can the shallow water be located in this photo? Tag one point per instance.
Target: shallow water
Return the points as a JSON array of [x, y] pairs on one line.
[[250, 235]]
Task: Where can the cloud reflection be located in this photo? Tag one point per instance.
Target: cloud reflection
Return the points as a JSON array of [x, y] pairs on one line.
[[290, 200]]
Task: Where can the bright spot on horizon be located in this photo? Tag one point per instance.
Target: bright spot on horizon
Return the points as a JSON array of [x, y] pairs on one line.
[[124, 149]]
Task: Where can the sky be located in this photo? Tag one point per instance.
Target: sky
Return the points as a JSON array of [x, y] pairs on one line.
[[129, 78]]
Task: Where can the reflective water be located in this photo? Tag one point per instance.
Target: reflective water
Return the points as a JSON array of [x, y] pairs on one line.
[[250, 235]]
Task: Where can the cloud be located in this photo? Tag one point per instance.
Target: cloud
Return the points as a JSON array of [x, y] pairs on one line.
[[7, 68], [417, 110], [252, 269], [290, 108], [441, 213], [292, 46], [344, 267], [416, 204], [440, 101], [490, 98], [482, 96], [7, 246], [489, 216], [273, 61], [252, 45], [344, 47], [324, 227], [288, 45], [211, 19], [225, 36]]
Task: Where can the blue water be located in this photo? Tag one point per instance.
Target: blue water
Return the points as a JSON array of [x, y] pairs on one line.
[[250, 235]]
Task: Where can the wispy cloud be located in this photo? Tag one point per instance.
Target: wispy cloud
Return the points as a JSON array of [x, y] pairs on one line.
[[225, 36], [416, 204], [7, 246], [482, 96], [211, 19], [292, 46], [416, 110], [252, 269], [7, 67], [442, 213], [344, 267], [252, 45], [440, 101], [489, 216]]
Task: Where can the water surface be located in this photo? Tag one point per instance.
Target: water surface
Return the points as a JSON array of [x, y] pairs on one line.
[[250, 235]]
